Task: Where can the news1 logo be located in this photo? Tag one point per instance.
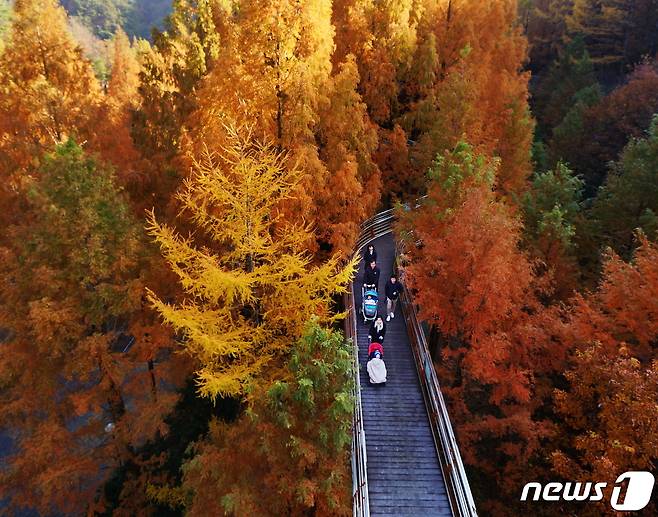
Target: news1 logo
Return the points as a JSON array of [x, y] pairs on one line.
[[637, 494]]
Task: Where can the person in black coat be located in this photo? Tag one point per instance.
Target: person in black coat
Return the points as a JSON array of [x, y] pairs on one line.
[[370, 255], [377, 331], [371, 276], [393, 289]]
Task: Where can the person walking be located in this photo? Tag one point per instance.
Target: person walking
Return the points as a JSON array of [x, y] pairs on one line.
[[371, 276], [370, 255], [377, 331], [393, 289]]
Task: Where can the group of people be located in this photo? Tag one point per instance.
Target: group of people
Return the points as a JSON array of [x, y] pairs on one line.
[[376, 366], [392, 289]]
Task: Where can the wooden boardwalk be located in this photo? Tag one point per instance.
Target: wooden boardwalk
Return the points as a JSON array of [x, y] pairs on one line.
[[404, 474]]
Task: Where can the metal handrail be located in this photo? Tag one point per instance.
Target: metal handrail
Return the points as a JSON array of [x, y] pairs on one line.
[[373, 228], [360, 497], [454, 474]]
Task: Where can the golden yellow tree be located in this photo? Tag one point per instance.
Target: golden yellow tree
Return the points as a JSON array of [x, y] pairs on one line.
[[249, 281]]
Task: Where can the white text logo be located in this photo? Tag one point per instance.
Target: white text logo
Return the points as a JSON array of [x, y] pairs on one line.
[[637, 494]]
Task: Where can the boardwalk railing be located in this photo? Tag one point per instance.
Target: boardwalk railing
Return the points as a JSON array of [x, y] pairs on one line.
[[360, 500], [454, 474], [373, 228]]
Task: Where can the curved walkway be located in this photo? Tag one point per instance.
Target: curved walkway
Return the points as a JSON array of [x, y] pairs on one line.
[[404, 473]]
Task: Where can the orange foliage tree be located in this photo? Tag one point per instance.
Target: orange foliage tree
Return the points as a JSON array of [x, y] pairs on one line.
[[70, 285], [441, 71], [47, 89], [608, 418], [623, 309], [382, 37], [392, 157], [608, 413], [172, 69], [474, 284], [470, 85], [48, 92], [275, 70], [112, 134]]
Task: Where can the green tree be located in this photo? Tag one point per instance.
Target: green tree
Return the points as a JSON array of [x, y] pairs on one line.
[[147, 15], [84, 230], [552, 205], [629, 198], [103, 17], [595, 133], [557, 92], [568, 134], [289, 454], [551, 213]]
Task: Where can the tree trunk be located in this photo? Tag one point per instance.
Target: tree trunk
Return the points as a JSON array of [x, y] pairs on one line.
[[154, 385], [279, 99], [114, 397]]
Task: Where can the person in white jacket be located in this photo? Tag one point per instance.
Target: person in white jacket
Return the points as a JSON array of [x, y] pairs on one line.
[[377, 369]]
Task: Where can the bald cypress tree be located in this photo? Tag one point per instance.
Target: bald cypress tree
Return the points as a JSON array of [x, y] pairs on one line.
[[47, 89]]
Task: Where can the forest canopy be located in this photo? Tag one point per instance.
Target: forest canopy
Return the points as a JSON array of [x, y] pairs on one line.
[[183, 185]]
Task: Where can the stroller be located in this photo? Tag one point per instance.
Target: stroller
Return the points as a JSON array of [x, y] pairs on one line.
[[376, 367], [375, 347], [369, 301]]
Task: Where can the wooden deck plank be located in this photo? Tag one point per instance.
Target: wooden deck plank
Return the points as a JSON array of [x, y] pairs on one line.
[[404, 475]]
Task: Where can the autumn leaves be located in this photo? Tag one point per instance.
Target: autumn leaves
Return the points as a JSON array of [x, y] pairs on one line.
[[249, 281], [257, 136]]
